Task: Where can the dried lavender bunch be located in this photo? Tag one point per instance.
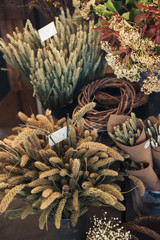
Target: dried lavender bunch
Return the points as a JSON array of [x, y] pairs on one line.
[[153, 133], [62, 180], [60, 67], [128, 132], [107, 230]]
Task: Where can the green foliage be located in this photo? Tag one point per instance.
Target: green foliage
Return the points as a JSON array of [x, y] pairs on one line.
[[110, 5], [101, 11], [129, 2], [126, 16], [133, 13], [127, 10], [118, 5]]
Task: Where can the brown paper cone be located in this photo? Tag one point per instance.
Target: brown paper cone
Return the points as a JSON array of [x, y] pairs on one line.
[[147, 176], [155, 151], [156, 156], [141, 152]]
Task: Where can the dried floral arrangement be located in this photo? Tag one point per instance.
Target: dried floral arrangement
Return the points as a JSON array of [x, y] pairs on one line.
[[105, 8], [144, 160], [107, 230], [51, 8], [127, 133], [131, 40], [58, 68], [62, 180]]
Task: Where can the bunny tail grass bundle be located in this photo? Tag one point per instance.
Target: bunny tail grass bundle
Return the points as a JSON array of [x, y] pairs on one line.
[[62, 180], [59, 67], [128, 132]]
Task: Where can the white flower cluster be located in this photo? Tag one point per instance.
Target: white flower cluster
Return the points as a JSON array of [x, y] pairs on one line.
[[110, 230], [84, 7], [151, 84], [153, 3], [121, 70], [143, 55]]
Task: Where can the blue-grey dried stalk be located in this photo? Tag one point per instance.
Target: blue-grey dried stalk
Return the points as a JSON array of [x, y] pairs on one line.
[[153, 133], [60, 67]]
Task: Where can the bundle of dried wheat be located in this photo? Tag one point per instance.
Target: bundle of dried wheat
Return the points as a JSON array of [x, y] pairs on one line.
[[60, 67]]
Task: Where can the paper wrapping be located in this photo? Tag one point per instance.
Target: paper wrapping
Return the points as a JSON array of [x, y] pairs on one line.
[[147, 176], [141, 152], [155, 151]]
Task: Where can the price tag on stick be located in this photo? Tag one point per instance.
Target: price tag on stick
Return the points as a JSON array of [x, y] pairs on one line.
[[58, 136], [47, 31]]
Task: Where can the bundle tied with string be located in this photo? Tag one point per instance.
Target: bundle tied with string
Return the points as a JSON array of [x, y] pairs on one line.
[[113, 96]]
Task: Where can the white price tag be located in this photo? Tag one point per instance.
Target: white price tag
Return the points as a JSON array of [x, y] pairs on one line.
[[58, 136], [147, 144], [47, 31]]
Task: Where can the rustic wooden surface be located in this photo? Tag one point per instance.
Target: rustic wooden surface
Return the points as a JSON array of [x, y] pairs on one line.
[[14, 14], [15, 101]]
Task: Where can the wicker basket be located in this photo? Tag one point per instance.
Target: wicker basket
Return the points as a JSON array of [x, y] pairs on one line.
[[144, 228]]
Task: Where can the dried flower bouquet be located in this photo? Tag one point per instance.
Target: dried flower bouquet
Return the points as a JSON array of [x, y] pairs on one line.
[[62, 180], [130, 38], [129, 134]]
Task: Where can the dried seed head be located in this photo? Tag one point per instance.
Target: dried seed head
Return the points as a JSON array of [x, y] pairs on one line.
[[59, 211], [47, 192], [76, 167], [27, 132], [41, 166], [139, 184], [49, 173], [47, 201], [24, 160], [46, 123], [9, 197], [83, 111], [112, 190], [22, 116]]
